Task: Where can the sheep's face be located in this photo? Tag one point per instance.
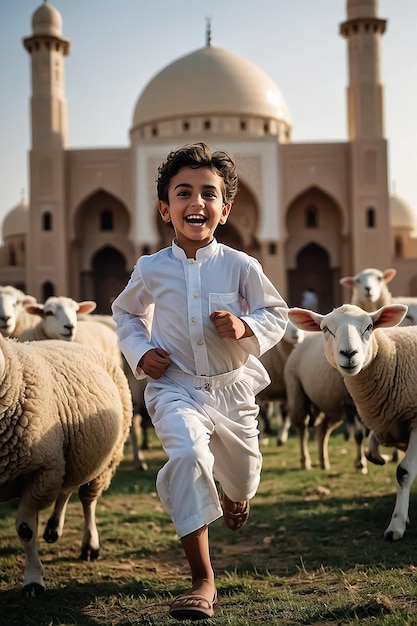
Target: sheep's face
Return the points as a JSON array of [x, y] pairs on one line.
[[347, 333], [369, 283], [12, 302]]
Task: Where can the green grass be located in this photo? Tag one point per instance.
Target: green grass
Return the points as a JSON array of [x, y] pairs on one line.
[[312, 552]]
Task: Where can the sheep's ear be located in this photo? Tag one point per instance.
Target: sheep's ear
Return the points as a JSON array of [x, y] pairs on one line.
[[34, 309], [305, 319], [389, 274], [389, 315], [86, 306], [347, 281]]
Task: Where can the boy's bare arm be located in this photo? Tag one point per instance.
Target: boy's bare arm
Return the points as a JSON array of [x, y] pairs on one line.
[[230, 326]]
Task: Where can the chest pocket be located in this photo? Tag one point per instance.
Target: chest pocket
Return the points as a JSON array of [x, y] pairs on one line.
[[225, 301]]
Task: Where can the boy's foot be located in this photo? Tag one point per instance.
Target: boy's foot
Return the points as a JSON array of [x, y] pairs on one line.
[[193, 606], [235, 514]]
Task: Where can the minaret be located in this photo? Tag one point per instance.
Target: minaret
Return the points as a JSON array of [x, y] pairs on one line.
[[47, 261], [370, 226]]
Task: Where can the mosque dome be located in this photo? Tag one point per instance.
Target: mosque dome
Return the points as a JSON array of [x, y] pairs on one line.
[[401, 213], [16, 221], [46, 20], [210, 81]]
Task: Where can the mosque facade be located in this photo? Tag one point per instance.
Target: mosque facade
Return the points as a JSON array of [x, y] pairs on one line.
[[310, 212]]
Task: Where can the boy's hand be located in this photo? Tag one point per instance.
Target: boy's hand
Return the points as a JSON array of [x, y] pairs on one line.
[[229, 326], [154, 362]]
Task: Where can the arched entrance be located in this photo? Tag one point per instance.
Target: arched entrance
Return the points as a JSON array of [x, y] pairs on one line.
[[313, 270], [106, 280], [314, 248]]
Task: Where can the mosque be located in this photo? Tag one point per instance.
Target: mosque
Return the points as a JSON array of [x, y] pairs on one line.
[[310, 212]]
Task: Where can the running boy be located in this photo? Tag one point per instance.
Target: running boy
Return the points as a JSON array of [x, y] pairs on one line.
[[194, 317]]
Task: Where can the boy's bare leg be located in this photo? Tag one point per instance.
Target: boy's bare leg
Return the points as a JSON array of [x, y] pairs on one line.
[[196, 548]]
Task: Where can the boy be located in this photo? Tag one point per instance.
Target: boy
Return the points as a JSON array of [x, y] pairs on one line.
[[193, 318]]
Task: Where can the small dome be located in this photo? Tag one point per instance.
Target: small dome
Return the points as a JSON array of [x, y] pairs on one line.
[[401, 213], [16, 221], [46, 20], [210, 81]]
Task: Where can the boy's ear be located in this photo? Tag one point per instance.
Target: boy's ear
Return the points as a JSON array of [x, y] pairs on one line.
[[225, 212], [164, 211]]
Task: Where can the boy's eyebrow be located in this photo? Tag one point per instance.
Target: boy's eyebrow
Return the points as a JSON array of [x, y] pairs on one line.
[[204, 186]]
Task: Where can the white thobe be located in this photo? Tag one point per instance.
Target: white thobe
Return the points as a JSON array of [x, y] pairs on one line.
[[207, 433]]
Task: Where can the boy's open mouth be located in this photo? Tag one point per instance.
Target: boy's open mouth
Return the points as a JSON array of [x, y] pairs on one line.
[[196, 219]]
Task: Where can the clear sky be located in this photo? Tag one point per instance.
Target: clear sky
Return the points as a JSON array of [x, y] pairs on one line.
[[117, 47]]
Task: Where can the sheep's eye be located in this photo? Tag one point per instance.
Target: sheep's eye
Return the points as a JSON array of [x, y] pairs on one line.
[[326, 329], [368, 329], [49, 313]]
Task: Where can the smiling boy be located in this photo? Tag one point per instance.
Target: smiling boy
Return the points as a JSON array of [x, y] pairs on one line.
[[194, 318]]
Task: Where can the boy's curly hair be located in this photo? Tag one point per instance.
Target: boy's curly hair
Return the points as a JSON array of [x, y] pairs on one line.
[[198, 155]]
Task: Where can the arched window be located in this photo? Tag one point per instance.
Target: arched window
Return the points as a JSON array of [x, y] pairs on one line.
[[370, 217], [398, 247], [46, 221], [12, 256], [48, 290], [311, 217], [106, 220]]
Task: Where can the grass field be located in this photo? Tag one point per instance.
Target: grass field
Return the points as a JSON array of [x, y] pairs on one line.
[[312, 552]]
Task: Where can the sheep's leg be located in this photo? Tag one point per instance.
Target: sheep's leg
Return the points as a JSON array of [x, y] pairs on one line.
[[282, 436], [27, 530], [324, 430], [55, 524], [406, 473], [361, 462], [89, 495], [305, 458], [373, 455], [138, 456]]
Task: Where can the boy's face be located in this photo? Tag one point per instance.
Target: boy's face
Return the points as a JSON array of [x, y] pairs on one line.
[[195, 207]]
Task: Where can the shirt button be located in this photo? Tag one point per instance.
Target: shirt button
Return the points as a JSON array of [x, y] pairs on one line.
[[190, 261], [193, 319], [196, 294], [200, 342]]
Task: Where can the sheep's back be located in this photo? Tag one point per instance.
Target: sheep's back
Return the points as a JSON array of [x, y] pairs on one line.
[[67, 407]]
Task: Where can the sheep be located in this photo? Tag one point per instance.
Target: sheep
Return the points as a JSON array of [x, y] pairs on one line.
[[379, 368], [274, 360], [68, 320], [370, 288], [370, 292], [58, 318], [316, 397], [65, 413], [13, 317]]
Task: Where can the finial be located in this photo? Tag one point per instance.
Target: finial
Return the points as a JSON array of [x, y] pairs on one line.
[[208, 31]]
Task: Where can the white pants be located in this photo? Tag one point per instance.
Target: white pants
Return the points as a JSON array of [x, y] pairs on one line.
[[206, 435]]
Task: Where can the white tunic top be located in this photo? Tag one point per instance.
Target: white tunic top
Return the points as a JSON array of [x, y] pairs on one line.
[[169, 298]]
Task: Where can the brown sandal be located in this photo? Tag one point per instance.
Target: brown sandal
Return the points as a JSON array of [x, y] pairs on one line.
[[192, 606], [238, 516]]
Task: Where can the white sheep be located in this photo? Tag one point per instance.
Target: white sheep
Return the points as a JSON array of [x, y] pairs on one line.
[[68, 320], [13, 317], [58, 318], [316, 397], [274, 360], [65, 413], [370, 288], [379, 367]]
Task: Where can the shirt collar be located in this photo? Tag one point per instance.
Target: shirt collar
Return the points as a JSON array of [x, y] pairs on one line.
[[202, 253]]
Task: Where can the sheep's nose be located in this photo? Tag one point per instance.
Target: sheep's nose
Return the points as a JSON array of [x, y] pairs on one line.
[[348, 353]]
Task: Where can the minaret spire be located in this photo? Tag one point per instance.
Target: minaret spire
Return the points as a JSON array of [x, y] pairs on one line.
[[208, 32]]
